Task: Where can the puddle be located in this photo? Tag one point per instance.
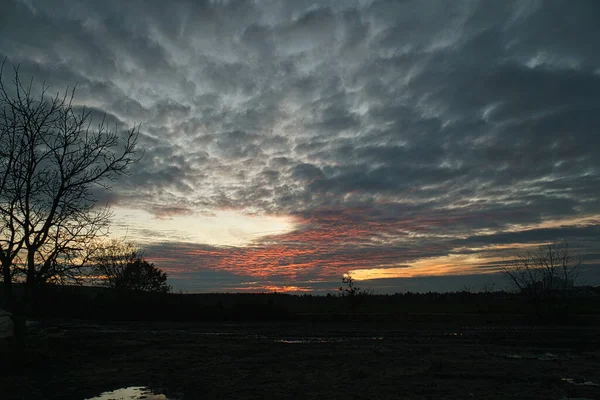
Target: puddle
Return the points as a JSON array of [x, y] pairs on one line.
[[579, 382], [131, 393], [538, 356], [6, 324], [576, 398], [317, 340], [295, 341]]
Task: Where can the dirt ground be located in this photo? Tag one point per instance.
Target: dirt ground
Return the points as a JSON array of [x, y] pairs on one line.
[[79, 360]]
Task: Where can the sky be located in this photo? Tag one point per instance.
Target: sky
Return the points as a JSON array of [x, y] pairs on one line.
[[415, 144]]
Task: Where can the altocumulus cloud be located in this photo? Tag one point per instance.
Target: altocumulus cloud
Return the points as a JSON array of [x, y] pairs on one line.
[[395, 135]]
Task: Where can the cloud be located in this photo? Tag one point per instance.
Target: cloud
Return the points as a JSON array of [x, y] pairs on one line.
[[574, 234], [418, 128]]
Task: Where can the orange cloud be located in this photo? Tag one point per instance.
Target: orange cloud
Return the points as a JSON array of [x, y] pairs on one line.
[[328, 244]]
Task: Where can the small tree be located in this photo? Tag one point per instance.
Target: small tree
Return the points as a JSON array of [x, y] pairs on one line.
[[122, 266], [353, 293], [51, 159], [545, 275], [349, 288]]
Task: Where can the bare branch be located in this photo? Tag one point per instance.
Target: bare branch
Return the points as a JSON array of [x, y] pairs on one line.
[[551, 270], [50, 159]]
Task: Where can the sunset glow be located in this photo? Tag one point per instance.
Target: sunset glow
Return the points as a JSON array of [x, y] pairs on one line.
[[223, 228], [287, 143]]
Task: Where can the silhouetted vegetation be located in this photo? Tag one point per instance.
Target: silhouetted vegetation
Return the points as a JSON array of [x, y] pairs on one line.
[[122, 266], [545, 277], [456, 308], [349, 288], [354, 294], [50, 160]]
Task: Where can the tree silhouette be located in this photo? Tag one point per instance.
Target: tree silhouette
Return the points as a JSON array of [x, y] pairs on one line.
[[552, 269], [354, 294], [143, 276], [122, 266], [51, 159], [545, 276], [349, 288]]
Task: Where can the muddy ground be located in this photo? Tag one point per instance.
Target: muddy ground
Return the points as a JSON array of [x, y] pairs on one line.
[[79, 360]]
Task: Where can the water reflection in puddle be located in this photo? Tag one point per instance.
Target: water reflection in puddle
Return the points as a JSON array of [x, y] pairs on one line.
[[576, 398], [539, 356], [130, 393], [579, 382], [316, 340], [340, 339]]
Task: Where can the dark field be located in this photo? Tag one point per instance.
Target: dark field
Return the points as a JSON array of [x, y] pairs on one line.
[[79, 360]]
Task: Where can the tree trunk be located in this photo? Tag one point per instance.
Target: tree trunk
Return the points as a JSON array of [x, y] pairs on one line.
[[21, 309], [19, 334], [17, 315], [9, 299]]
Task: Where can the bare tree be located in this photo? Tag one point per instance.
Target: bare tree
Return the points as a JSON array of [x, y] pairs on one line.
[[354, 294], [122, 266], [51, 159], [349, 288], [552, 269]]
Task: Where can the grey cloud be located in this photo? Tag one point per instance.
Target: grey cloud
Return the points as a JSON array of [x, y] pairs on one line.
[[484, 110], [306, 172], [557, 29], [259, 39], [571, 233], [315, 28]]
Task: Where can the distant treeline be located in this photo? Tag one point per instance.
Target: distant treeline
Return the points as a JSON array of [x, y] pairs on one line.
[[581, 306]]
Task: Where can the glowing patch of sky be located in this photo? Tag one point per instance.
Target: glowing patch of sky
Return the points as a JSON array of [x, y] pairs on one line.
[[223, 228], [453, 264]]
